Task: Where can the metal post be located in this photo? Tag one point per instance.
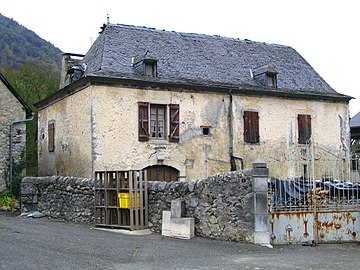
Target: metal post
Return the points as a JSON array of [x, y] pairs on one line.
[[316, 240]]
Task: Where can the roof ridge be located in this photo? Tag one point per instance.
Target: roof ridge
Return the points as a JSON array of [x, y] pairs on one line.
[[135, 27]]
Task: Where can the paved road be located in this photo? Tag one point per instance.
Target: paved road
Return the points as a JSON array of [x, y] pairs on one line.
[[44, 244]]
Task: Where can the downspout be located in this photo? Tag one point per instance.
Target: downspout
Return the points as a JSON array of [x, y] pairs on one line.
[[231, 135], [10, 152]]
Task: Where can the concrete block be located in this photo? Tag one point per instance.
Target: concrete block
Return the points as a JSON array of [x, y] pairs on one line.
[[183, 228], [261, 203], [177, 208], [261, 223], [165, 227], [262, 238], [260, 184]]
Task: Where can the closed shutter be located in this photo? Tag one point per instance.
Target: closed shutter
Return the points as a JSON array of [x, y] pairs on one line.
[[304, 128], [51, 137], [251, 127], [143, 121], [174, 122]]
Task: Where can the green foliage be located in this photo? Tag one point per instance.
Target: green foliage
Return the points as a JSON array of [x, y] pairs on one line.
[[7, 200], [18, 175], [18, 45], [33, 82], [32, 66]]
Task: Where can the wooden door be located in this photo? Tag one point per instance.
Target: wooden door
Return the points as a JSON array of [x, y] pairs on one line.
[[162, 173]]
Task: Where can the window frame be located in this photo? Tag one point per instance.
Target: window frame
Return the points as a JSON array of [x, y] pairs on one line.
[[206, 131], [271, 80], [150, 68], [171, 125], [251, 127], [158, 107]]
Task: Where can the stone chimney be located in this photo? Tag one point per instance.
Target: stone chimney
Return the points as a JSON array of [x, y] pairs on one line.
[[69, 62]]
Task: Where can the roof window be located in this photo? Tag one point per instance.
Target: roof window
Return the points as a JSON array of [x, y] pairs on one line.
[[265, 75], [145, 64]]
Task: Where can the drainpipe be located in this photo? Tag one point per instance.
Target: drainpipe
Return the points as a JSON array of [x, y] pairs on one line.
[[11, 139], [231, 144]]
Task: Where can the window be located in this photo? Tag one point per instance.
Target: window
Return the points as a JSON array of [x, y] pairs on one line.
[[145, 64], [205, 130], [157, 121], [271, 80], [160, 124], [51, 137], [265, 75], [150, 68], [251, 127], [304, 128]]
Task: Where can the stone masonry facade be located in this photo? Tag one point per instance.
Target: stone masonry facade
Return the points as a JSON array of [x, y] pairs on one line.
[[10, 109], [222, 205]]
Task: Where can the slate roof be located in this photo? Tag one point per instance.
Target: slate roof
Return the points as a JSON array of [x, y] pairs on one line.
[[198, 59], [355, 121], [197, 62]]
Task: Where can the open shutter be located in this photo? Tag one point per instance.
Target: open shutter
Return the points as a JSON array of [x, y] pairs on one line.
[[143, 121], [251, 127], [174, 122], [304, 128]]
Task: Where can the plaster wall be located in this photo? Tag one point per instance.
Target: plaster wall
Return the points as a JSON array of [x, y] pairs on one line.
[[97, 130], [115, 132], [10, 109], [72, 154], [278, 128]]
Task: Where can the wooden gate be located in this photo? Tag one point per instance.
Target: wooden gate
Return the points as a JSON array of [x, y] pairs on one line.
[[121, 199]]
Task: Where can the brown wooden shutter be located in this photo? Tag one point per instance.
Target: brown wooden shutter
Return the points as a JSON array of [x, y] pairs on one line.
[[251, 127], [304, 128], [174, 122], [143, 121], [51, 137]]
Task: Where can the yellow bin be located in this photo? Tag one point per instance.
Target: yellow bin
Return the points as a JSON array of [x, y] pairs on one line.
[[124, 199]]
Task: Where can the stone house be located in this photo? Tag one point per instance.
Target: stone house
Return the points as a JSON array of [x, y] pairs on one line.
[[186, 106], [12, 110]]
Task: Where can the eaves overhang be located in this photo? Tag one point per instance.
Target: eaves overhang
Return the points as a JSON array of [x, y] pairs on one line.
[[16, 95], [157, 84]]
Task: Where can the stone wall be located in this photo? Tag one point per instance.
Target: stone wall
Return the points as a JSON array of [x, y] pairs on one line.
[[10, 110], [58, 197], [222, 205]]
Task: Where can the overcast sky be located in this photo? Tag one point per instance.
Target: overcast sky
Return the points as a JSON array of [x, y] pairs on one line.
[[324, 32]]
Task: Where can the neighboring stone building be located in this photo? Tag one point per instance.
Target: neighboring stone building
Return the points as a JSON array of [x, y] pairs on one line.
[[355, 127], [355, 141], [12, 108], [186, 106]]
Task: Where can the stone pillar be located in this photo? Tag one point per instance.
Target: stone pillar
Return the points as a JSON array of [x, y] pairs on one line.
[[260, 189], [28, 195]]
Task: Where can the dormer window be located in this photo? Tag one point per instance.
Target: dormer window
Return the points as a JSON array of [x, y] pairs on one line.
[[271, 79], [265, 75], [145, 65], [150, 68]]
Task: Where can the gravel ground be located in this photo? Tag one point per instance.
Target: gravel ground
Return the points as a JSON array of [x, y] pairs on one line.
[[27, 243]]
